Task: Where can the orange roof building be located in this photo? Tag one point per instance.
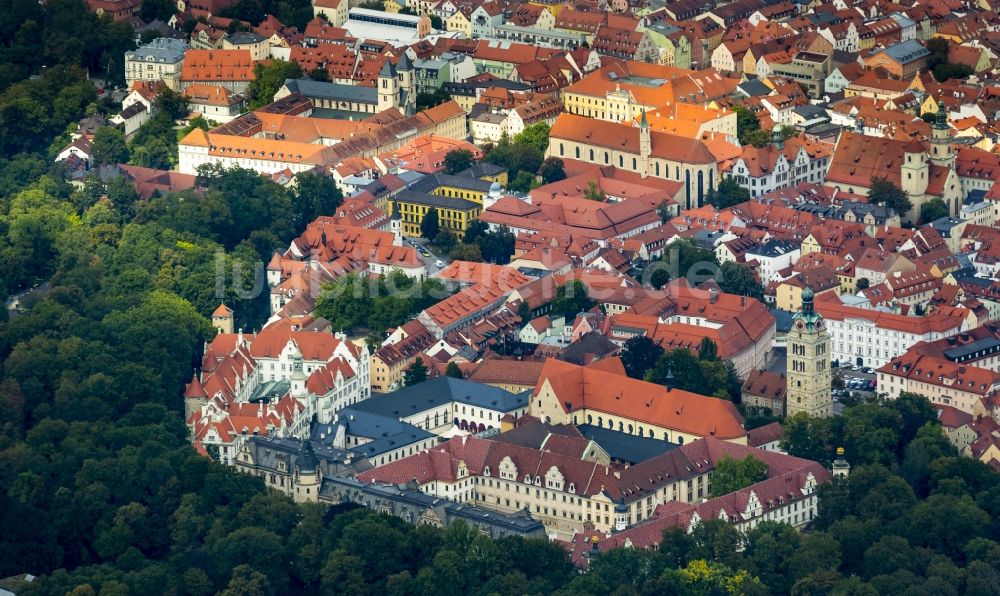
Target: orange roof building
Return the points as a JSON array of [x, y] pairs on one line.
[[571, 394], [232, 69], [637, 149]]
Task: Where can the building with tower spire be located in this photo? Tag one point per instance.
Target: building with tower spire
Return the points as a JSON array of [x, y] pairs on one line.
[[808, 358], [388, 88], [924, 168], [841, 469], [941, 152]]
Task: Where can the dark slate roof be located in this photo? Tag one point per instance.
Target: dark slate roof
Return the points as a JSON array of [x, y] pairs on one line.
[[483, 168], [754, 88], [774, 248], [625, 447], [244, 37], [422, 198], [434, 181], [332, 91], [436, 392], [963, 351], [404, 62], [592, 343], [518, 523]]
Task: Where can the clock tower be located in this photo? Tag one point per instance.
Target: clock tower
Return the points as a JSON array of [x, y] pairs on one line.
[[808, 374]]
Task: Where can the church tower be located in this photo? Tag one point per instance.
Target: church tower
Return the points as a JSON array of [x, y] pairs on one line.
[[914, 170], [388, 88], [407, 85], [645, 145], [941, 153], [808, 374]]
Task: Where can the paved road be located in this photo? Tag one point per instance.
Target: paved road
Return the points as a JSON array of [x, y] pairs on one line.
[[430, 261]]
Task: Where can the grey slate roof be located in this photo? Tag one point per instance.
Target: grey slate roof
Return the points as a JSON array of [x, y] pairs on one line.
[[244, 37], [754, 88], [907, 51], [332, 91], [774, 248], [409, 502], [433, 181], [440, 391], [164, 50], [623, 446], [438, 201]]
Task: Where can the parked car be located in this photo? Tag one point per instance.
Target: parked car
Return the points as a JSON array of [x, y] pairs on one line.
[[872, 385], [856, 368], [439, 263]]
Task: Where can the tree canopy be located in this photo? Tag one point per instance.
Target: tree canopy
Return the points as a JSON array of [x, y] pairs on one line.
[[731, 475], [727, 194], [884, 192], [268, 78], [457, 160]]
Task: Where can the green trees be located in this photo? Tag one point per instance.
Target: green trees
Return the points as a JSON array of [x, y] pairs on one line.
[[730, 475], [518, 156], [736, 278], [939, 64], [352, 302], [639, 355], [452, 370], [457, 160], [684, 259], [109, 146], [552, 170], [571, 299], [594, 192], [684, 370], [429, 100], [493, 246], [313, 196], [748, 128], [535, 135], [932, 210], [727, 194], [268, 79], [884, 192], [429, 226], [416, 373]]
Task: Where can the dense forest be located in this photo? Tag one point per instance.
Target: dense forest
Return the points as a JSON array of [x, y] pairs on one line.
[[100, 492]]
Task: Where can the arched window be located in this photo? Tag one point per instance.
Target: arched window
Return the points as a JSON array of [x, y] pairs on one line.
[[657, 168], [578, 153], [687, 188], [607, 157], [561, 149], [630, 429], [701, 187], [591, 155], [621, 161]]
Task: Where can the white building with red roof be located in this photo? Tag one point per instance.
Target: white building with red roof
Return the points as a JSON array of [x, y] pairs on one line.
[[787, 495], [287, 377], [871, 337]]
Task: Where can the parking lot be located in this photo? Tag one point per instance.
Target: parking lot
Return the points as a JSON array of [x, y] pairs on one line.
[[860, 383]]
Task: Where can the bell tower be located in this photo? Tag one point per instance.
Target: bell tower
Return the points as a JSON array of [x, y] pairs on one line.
[[388, 88], [808, 374], [941, 153]]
